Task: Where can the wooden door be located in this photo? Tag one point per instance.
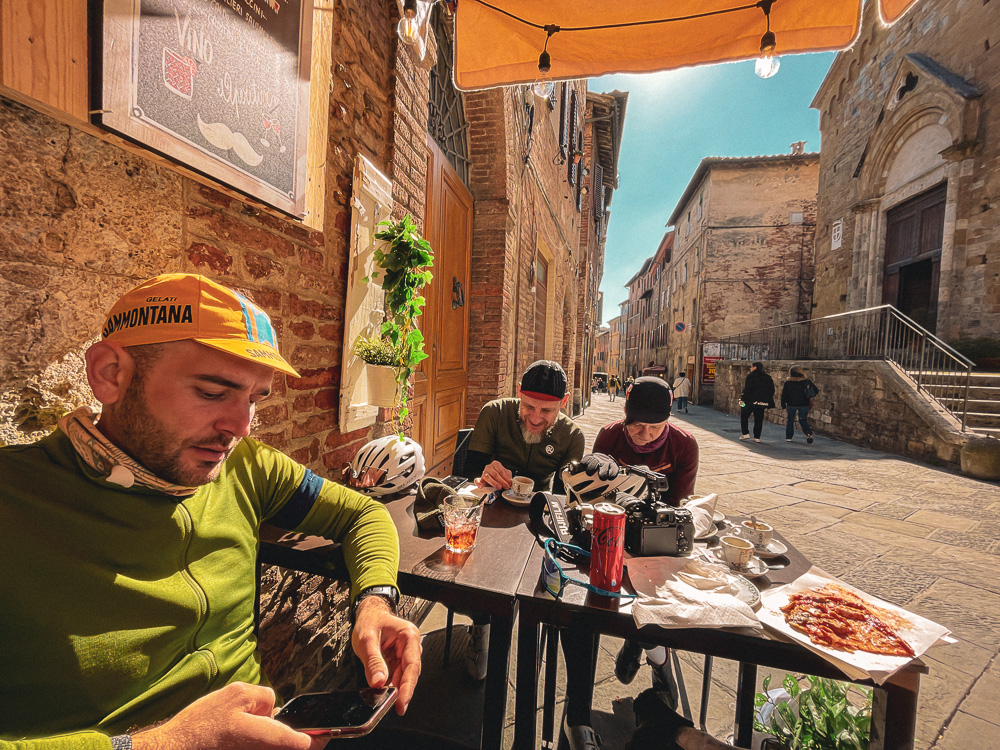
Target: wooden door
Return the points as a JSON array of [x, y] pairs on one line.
[[441, 383], [914, 235]]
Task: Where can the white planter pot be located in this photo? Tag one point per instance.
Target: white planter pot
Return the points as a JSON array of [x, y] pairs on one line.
[[383, 388]]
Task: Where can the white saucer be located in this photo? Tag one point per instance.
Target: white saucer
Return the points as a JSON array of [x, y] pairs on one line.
[[755, 569], [513, 499], [719, 517], [714, 532], [774, 548], [749, 594]]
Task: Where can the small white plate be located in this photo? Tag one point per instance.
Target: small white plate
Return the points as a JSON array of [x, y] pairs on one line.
[[708, 535], [749, 594], [774, 548], [521, 502], [719, 517]]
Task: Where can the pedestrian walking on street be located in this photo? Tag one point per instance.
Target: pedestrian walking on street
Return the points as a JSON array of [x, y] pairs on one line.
[[758, 395], [682, 389], [796, 397], [612, 388]]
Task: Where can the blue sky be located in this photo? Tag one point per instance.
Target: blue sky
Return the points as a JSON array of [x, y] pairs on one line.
[[673, 120]]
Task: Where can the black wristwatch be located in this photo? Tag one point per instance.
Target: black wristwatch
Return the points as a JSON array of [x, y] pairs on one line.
[[121, 742], [389, 593]]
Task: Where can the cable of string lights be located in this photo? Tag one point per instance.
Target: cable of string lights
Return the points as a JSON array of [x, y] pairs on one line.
[[544, 62]]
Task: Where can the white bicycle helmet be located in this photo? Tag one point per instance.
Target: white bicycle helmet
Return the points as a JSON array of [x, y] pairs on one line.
[[389, 464], [589, 488]]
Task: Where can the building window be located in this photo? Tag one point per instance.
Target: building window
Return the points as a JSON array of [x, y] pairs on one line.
[[446, 111], [701, 200], [684, 273], [675, 281], [687, 227]]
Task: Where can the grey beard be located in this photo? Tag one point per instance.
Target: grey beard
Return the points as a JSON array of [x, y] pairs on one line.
[[531, 438]]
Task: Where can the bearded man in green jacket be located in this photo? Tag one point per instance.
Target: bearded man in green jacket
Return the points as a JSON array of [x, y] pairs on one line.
[[128, 544]]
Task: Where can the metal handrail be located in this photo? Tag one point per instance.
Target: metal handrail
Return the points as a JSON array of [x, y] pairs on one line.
[[875, 333]]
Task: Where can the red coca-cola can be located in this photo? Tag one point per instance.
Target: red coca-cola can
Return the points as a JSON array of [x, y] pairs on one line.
[[607, 546]]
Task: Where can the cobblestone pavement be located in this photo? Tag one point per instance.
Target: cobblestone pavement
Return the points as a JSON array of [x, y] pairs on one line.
[[921, 537]]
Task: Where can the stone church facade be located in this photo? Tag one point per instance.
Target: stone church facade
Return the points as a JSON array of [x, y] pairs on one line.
[[909, 185]]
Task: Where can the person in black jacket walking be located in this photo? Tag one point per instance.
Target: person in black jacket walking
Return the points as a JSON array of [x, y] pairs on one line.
[[796, 397], [758, 395]]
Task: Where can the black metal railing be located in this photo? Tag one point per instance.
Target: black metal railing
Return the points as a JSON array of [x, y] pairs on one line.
[[882, 333]]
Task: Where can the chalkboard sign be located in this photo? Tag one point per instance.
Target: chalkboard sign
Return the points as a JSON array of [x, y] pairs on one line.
[[220, 85]]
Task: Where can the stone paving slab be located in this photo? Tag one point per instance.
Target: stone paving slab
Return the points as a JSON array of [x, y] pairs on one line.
[[943, 520]]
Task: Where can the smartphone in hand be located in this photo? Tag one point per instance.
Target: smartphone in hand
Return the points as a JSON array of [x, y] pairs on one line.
[[341, 713]]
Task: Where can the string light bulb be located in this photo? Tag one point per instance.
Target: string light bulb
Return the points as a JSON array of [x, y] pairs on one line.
[[767, 64], [408, 27], [544, 87]]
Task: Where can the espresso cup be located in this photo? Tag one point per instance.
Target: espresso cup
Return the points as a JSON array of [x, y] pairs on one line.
[[736, 551], [759, 536], [521, 487]]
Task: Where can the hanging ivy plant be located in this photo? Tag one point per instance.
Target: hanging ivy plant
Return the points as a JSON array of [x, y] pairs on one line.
[[405, 261]]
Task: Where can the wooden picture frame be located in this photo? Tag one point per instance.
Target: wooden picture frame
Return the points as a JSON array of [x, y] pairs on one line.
[[221, 86]]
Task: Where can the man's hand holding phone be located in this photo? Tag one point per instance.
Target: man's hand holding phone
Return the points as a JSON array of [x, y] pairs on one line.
[[342, 713], [389, 647], [235, 717]]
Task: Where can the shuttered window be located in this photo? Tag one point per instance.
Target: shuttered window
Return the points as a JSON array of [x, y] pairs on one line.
[[579, 175], [563, 119], [597, 193], [574, 137]]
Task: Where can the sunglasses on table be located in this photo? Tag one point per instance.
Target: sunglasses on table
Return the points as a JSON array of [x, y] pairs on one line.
[[554, 578], [365, 479]]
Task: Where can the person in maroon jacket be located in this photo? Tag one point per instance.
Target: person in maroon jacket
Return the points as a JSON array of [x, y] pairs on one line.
[[645, 438]]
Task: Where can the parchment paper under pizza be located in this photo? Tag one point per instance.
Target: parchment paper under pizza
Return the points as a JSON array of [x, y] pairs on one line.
[[863, 635]]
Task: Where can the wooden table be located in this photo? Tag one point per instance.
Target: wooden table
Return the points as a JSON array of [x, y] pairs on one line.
[[895, 700], [485, 581]]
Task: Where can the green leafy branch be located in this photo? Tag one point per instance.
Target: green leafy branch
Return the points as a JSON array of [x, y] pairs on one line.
[[827, 717], [405, 261]]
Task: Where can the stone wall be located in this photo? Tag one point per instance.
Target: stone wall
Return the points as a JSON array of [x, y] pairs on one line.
[[878, 151], [747, 263], [868, 403]]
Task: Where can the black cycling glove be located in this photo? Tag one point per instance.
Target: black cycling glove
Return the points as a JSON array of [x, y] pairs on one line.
[[602, 465]]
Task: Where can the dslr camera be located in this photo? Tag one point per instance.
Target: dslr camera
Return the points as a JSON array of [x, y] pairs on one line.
[[652, 526]]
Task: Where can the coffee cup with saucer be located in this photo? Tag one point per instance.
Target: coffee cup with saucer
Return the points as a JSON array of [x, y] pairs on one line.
[[774, 548]]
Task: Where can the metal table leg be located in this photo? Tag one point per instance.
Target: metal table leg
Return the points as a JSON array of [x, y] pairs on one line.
[[899, 703], [706, 686], [526, 692], [746, 687], [495, 700]]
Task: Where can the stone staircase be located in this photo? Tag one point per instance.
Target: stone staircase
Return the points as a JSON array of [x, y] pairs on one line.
[[984, 399]]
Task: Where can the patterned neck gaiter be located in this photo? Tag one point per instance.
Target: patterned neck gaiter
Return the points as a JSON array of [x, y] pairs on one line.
[[103, 456]]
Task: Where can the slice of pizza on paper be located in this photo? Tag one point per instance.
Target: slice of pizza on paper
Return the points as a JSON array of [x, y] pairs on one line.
[[861, 634]]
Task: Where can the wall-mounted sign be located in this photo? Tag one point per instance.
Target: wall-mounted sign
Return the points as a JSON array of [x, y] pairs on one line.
[[221, 86], [679, 326], [708, 369], [837, 234]]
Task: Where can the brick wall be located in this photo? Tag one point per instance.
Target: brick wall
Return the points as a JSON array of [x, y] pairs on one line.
[[866, 403], [865, 129], [84, 220], [523, 206]]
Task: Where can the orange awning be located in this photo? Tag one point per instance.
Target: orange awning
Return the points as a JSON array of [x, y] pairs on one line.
[[497, 42]]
